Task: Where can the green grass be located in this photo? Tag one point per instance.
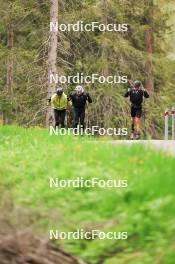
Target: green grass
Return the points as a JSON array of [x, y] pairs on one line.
[[146, 209]]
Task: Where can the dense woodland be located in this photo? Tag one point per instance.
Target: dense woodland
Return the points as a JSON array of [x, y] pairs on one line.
[[140, 53]]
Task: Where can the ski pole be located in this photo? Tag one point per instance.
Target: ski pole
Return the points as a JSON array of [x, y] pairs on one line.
[[166, 124], [173, 115]]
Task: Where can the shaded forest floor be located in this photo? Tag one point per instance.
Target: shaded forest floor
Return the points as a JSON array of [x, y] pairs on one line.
[[145, 209]]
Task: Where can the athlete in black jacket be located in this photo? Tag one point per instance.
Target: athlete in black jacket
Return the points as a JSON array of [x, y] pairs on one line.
[[79, 99], [136, 95]]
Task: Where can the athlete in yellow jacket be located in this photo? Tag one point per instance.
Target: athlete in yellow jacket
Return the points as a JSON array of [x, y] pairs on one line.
[[60, 103]]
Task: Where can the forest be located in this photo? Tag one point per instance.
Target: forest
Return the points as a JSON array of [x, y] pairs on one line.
[[145, 52]]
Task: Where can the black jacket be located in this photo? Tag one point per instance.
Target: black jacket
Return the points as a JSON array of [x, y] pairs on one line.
[[80, 101], [136, 96]]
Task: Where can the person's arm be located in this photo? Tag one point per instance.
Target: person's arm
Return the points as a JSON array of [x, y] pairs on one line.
[[145, 93], [52, 100], [127, 93], [49, 100], [89, 98], [69, 103], [70, 97]]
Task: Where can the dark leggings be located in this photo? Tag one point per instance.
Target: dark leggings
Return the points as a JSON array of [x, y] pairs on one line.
[[78, 116], [59, 117]]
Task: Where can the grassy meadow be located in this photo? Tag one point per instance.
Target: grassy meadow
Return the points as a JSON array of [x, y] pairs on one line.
[[145, 209]]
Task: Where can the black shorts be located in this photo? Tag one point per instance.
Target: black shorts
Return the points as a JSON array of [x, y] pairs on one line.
[[136, 111]]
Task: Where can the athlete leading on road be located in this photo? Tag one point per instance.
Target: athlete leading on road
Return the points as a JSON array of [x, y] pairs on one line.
[[136, 94]]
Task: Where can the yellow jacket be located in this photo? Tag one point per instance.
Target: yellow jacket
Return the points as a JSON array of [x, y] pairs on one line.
[[59, 103]]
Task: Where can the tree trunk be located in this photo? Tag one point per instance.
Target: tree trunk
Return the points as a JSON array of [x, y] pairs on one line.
[[104, 48], [9, 82], [149, 48], [106, 99], [52, 57]]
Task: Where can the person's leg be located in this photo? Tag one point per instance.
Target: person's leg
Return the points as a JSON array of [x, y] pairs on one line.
[[138, 122], [56, 116], [62, 118], [132, 127], [75, 118], [82, 117], [133, 124]]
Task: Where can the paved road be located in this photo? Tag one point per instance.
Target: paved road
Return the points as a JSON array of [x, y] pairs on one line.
[[166, 146]]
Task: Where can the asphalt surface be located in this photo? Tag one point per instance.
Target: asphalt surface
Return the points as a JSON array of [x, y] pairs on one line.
[[162, 145]]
